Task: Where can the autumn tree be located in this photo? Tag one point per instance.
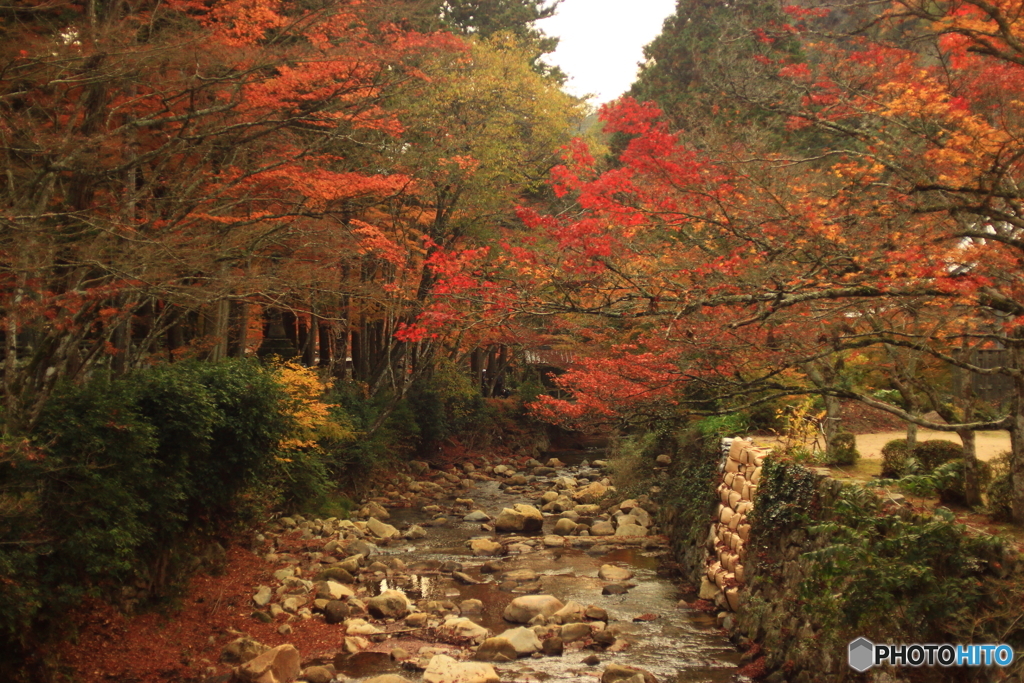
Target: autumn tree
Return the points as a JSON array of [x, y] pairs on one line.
[[155, 176]]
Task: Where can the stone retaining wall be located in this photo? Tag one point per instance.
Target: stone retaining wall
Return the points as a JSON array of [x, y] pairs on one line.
[[725, 573]]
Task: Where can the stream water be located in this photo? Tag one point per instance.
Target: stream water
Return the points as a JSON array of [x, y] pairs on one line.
[[672, 642]]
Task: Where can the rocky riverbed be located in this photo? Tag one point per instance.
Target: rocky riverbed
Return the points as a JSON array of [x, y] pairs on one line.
[[514, 572]]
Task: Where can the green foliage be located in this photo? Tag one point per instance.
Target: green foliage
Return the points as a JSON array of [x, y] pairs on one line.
[[688, 494], [843, 450], [715, 427], [631, 461], [1000, 498], [895, 454], [945, 481], [883, 575], [786, 495], [1000, 490], [447, 403], [935, 452]]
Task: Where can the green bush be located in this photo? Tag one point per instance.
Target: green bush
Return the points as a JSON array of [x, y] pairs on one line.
[[880, 575], [936, 452], [843, 450], [135, 465], [1000, 498], [894, 458]]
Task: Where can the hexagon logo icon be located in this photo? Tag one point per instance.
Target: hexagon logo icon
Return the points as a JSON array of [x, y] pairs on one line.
[[861, 654]]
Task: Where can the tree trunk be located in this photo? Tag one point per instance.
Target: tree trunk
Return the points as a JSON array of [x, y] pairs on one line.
[[911, 434], [972, 482], [1017, 429]]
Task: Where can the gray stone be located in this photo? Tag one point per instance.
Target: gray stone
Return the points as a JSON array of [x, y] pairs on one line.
[[263, 596], [477, 516], [565, 527], [609, 572]]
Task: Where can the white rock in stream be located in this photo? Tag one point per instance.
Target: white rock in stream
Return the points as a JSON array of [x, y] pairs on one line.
[[444, 669], [524, 608]]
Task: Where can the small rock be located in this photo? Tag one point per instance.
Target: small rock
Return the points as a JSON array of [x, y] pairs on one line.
[[496, 650], [336, 611], [263, 596], [614, 589], [592, 660], [663, 460], [414, 533], [485, 547], [317, 674], [477, 516]]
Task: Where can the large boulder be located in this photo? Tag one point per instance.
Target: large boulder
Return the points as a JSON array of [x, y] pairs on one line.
[[602, 528], [281, 664], [520, 518], [526, 607], [388, 605], [444, 669], [631, 530]]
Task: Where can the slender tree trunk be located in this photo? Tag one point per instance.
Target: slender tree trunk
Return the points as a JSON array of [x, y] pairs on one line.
[[972, 483], [323, 329]]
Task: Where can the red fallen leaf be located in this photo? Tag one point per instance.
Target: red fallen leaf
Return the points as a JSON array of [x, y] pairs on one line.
[[646, 617]]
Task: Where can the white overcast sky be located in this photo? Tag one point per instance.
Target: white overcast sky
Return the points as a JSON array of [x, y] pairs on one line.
[[602, 42]]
